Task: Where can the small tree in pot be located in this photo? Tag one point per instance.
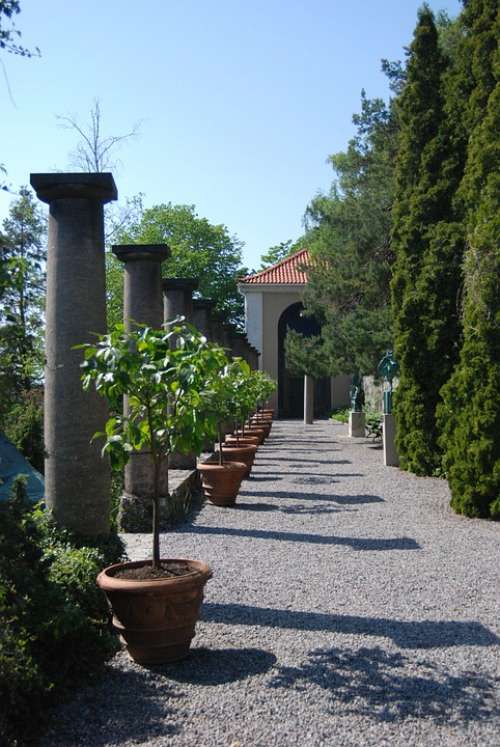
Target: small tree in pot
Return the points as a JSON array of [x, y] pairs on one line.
[[223, 401], [164, 386]]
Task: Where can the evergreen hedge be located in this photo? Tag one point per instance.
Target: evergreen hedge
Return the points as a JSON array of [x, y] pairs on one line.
[[427, 239], [470, 414]]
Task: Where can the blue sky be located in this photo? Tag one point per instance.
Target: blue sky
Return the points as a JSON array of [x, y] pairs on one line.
[[240, 103]]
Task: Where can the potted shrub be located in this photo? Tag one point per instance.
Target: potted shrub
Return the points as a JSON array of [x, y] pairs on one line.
[[155, 602], [221, 480]]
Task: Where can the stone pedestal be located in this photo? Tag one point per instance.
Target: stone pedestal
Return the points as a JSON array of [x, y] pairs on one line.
[[178, 301], [142, 304], [308, 399], [391, 458], [357, 424], [77, 478]]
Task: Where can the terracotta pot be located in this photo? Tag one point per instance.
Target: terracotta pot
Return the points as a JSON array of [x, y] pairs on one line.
[[221, 482], [156, 618], [261, 423], [259, 432], [269, 413], [240, 453], [242, 440]]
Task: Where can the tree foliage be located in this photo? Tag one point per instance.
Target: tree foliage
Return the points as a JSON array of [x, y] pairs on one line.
[[9, 34], [470, 414], [22, 294], [306, 355], [277, 253], [348, 237], [199, 249]]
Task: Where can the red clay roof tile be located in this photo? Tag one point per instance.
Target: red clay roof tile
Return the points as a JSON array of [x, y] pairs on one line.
[[289, 271]]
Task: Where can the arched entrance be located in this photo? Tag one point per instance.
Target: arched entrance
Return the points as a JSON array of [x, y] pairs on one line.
[[291, 388]]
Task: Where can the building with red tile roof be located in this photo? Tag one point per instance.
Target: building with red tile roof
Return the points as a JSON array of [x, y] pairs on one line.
[[273, 304]]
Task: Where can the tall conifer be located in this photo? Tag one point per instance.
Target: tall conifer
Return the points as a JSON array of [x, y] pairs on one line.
[[470, 415], [427, 240]]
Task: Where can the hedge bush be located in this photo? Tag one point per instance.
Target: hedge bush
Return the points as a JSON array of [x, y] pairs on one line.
[[55, 629]]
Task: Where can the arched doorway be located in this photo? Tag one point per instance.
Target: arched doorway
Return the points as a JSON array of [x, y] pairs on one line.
[[291, 388]]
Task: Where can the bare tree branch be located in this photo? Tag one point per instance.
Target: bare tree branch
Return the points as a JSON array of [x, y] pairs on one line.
[[93, 151]]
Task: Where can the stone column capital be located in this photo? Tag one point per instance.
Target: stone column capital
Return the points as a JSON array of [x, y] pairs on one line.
[[141, 252], [204, 303], [55, 186], [183, 284]]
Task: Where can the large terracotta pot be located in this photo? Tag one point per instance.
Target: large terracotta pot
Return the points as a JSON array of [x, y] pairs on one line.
[[261, 423], [156, 618], [240, 453], [259, 432], [242, 440], [268, 413], [221, 482]]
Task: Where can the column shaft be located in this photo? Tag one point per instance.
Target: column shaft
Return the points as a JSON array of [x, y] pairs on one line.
[[77, 479]]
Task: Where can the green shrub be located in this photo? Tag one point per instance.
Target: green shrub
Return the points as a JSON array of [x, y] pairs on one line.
[[56, 623], [373, 423], [341, 415], [24, 427]]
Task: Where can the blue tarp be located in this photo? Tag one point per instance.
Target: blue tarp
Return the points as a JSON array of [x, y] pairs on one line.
[[12, 463]]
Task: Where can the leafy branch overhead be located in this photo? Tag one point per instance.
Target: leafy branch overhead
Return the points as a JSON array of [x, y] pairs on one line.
[[9, 34]]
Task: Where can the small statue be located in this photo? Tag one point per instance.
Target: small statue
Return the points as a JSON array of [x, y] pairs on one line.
[[388, 368], [357, 393]]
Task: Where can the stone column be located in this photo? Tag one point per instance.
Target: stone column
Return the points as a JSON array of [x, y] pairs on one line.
[[142, 291], [240, 346], [201, 316], [178, 298], [254, 358], [142, 304], [178, 301], [308, 399], [391, 458], [217, 321], [77, 478], [228, 331]]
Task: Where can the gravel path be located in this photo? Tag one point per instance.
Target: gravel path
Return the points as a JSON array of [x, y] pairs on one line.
[[349, 606]]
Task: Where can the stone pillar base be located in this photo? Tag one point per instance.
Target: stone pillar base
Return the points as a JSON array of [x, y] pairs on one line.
[[136, 512], [181, 461], [357, 424], [391, 458]]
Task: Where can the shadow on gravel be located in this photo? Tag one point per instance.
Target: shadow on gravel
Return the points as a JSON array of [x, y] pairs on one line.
[[284, 460], [218, 666], [138, 705], [343, 500], [355, 543], [404, 633], [312, 510], [391, 687], [262, 478], [315, 474]]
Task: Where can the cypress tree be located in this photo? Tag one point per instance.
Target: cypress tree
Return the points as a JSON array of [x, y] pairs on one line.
[[470, 414], [427, 239]]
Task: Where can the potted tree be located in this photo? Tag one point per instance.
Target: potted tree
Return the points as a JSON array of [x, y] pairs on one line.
[[221, 480], [264, 386], [155, 602]]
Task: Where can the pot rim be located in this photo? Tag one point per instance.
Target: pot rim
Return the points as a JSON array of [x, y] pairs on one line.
[[108, 582], [233, 466]]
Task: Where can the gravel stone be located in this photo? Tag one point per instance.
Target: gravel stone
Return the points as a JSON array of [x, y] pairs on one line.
[[349, 607]]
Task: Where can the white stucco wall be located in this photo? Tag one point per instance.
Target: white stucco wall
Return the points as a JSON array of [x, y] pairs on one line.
[[254, 311]]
